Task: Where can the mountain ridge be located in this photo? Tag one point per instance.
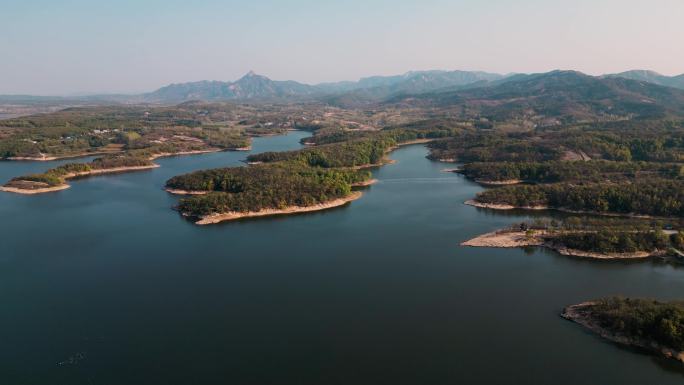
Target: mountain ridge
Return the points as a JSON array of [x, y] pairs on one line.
[[649, 76], [366, 90], [253, 86]]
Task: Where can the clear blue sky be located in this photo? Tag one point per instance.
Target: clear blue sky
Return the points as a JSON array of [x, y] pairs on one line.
[[81, 46]]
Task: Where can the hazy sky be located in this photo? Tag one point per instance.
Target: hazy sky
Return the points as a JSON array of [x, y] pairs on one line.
[[82, 46]]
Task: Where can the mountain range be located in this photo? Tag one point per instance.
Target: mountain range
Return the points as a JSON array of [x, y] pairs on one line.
[[254, 87], [568, 96], [424, 85]]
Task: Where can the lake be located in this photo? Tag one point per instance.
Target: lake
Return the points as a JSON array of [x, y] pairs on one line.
[[104, 283]]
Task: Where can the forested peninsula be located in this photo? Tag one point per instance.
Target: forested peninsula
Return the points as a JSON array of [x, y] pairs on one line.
[[593, 238], [315, 178], [608, 169], [657, 327], [633, 170]]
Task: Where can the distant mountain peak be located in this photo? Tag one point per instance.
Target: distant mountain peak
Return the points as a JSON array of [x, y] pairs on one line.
[[249, 74]]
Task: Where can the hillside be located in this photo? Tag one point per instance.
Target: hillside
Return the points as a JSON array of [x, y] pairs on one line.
[[558, 96]]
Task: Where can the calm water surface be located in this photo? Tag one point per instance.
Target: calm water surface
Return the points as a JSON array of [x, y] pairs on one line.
[[104, 284]]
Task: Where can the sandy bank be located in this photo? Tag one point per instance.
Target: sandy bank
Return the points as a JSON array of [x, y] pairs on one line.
[[365, 183], [582, 314], [112, 170], [497, 206], [512, 239], [505, 239], [34, 191], [498, 182], [383, 162], [229, 216], [184, 192], [503, 206], [594, 255], [181, 153], [34, 158], [415, 141]]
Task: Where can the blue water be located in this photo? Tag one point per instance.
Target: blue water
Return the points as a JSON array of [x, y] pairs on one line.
[[104, 284]]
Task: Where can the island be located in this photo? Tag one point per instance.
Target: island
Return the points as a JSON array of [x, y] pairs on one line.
[[649, 325]]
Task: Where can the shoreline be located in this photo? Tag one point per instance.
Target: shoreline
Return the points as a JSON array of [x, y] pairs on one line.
[[233, 215], [184, 192], [582, 315], [507, 182], [365, 183], [43, 190], [415, 141], [504, 239], [499, 206], [515, 239], [197, 152], [384, 162]]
